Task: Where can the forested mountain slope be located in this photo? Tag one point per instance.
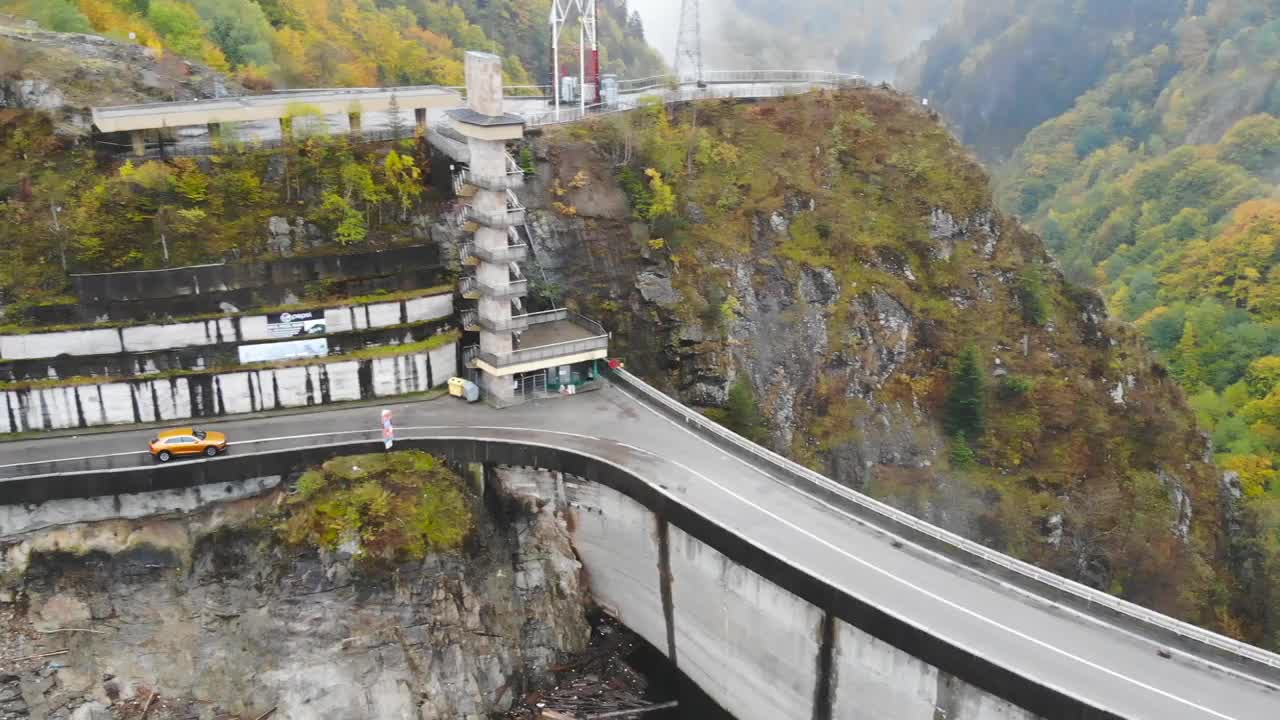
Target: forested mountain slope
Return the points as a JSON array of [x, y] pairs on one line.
[[1160, 184], [314, 43], [998, 68]]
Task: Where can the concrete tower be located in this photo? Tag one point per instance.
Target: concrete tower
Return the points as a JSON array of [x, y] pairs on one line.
[[520, 355]]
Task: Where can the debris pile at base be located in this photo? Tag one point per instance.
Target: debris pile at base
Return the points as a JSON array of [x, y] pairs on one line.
[[598, 683]]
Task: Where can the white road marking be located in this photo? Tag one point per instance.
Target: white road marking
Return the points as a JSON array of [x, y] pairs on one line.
[[923, 591], [70, 459]]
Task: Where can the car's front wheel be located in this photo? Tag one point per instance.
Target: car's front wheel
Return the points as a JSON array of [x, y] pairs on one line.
[[211, 451], [164, 456]]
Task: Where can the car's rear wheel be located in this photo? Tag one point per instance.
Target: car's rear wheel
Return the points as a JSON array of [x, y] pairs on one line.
[[164, 456], [211, 451]]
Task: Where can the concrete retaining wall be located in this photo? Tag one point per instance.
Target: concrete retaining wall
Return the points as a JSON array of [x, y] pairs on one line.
[[875, 680], [16, 519], [195, 280], [201, 290], [123, 365], [249, 328], [216, 394], [749, 644]]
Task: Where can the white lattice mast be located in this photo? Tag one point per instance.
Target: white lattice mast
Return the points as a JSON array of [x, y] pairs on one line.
[[587, 39], [688, 62]]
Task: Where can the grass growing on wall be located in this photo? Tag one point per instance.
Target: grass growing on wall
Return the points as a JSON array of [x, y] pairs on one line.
[[434, 342], [325, 304], [388, 508]]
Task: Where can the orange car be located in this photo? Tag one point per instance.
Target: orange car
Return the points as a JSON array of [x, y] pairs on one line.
[[187, 441]]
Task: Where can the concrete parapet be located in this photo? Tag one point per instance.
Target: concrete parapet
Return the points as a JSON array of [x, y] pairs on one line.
[[244, 328]]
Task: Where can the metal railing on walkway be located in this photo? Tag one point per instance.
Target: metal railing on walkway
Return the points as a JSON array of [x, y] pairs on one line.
[[893, 515], [598, 341]]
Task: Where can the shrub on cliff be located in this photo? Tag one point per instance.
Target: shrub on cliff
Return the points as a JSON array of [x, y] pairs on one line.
[[390, 507]]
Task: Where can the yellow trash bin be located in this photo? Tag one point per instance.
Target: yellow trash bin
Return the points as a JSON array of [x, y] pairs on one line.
[[457, 386]]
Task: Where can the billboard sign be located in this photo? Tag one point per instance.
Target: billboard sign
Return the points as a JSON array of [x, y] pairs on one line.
[[290, 350], [298, 323]]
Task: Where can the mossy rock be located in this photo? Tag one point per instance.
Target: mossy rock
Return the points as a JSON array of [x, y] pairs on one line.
[[393, 507]]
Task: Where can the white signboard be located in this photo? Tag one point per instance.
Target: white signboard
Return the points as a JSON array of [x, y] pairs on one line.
[[292, 350], [388, 430], [296, 324]]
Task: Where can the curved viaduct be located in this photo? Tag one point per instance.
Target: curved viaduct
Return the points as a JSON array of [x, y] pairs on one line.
[[778, 592]]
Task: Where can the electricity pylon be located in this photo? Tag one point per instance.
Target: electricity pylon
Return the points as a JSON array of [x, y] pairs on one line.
[[688, 63], [588, 71]]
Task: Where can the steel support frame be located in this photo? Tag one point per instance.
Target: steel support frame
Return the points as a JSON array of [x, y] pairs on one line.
[[587, 35]]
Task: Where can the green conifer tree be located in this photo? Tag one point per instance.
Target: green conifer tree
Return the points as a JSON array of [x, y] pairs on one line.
[[966, 399]]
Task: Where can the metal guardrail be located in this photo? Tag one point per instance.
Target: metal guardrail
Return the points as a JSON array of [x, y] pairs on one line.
[[514, 288], [177, 148], [502, 183], [500, 220], [894, 515], [469, 355], [599, 341], [514, 252], [542, 352]]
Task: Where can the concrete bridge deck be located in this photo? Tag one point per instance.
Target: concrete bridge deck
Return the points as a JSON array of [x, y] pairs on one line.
[[1087, 666], [248, 108], [364, 112]]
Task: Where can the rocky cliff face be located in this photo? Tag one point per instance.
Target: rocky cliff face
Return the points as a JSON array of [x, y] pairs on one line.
[[834, 255], [65, 74], [209, 611]]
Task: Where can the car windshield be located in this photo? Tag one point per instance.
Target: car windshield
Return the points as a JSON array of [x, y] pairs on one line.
[[200, 434]]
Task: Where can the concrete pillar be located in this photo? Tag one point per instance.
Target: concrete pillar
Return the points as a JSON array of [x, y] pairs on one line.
[[420, 115], [498, 389], [139, 142], [488, 158], [484, 83], [353, 118]]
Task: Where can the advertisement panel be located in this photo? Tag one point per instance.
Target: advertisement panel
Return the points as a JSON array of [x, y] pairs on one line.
[[292, 350], [297, 323]]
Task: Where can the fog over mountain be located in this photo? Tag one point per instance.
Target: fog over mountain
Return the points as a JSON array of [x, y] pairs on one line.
[[863, 36]]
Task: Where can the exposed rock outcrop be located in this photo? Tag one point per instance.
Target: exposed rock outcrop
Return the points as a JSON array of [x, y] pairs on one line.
[[66, 74], [842, 292], [222, 621]]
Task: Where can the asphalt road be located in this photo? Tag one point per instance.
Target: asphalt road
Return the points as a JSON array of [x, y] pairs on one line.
[[1081, 656]]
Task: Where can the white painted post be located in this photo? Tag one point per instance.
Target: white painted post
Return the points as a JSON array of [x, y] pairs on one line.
[[555, 54], [582, 66]]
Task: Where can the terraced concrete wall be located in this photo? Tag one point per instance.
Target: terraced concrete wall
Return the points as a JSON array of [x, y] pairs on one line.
[[249, 328], [216, 394], [203, 357]]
